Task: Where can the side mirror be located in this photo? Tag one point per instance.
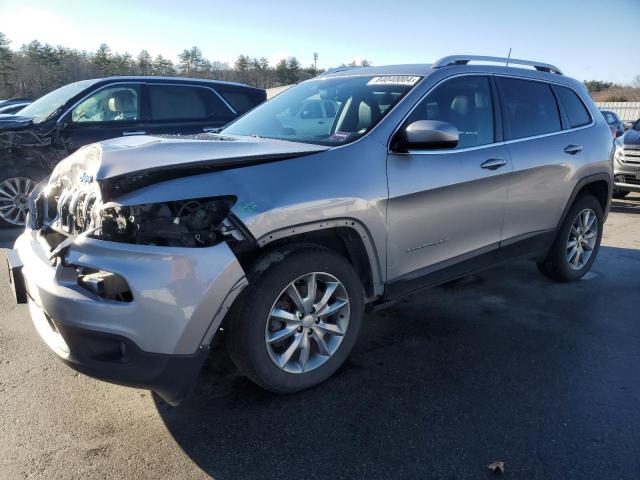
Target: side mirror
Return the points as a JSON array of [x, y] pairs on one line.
[[427, 135]]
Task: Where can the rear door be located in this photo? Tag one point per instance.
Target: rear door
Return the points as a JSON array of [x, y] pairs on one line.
[[184, 109], [109, 112], [446, 207], [537, 144]]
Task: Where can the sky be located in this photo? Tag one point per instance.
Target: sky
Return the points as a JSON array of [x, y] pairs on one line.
[[586, 39]]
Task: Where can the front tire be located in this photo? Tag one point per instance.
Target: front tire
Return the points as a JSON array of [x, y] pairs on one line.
[[298, 319], [576, 246]]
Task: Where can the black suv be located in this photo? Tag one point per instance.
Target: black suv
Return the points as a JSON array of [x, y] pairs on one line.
[[55, 125]]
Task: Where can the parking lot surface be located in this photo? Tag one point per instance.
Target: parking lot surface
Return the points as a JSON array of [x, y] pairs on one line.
[[503, 365]]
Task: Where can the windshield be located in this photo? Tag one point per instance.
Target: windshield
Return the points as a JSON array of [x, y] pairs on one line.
[[45, 106], [326, 111]]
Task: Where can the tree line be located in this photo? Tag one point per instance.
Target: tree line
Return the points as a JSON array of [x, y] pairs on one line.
[[610, 92], [37, 68]]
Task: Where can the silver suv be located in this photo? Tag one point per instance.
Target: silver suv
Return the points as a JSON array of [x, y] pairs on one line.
[[347, 190]]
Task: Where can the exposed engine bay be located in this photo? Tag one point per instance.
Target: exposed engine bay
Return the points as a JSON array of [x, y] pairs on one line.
[[68, 210], [188, 223]]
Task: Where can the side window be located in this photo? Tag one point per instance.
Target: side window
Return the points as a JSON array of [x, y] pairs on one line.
[[329, 109], [608, 116], [112, 104], [464, 102], [574, 108], [240, 102], [181, 103], [529, 108], [311, 109]]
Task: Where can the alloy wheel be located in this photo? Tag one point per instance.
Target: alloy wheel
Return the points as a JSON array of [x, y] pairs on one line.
[[582, 239], [14, 193], [307, 322]]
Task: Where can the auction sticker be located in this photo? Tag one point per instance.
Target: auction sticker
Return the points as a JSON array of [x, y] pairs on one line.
[[408, 80]]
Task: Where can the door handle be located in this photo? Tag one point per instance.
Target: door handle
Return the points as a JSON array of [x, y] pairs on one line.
[[136, 132], [572, 149], [493, 163]]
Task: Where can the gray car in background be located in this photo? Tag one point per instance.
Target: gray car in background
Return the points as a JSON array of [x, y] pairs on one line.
[[282, 230], [627, 162]]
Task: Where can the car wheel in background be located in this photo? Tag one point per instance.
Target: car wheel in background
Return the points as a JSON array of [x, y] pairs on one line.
[[14, 192], [298, 319]]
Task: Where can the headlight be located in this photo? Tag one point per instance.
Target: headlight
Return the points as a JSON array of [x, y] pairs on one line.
[[619, 153], [185, 223]]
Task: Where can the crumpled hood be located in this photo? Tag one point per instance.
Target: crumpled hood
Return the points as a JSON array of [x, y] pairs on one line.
[[10, 122], [126, 163], [631, 137]]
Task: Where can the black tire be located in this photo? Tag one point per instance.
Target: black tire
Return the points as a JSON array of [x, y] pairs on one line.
[[247, 320], [556, 265], [619, 194], [32, 174]]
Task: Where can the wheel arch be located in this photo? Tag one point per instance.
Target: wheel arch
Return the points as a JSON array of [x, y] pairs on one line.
[[600, 185], [346, 236]]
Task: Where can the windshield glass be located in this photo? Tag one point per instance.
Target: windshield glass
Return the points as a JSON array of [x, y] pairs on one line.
[[326, 111], [45, 106]]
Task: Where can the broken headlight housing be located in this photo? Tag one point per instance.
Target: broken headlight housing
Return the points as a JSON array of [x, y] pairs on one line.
[[199, 222]]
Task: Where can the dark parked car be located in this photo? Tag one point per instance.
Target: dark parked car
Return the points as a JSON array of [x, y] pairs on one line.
[[13, 107], [33, 141], [614, 121], [13, 101]]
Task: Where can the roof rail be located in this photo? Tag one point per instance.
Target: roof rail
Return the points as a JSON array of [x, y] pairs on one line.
[[465, 59], [339, 69]]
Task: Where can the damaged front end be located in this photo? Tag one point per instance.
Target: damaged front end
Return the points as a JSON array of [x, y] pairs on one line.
[[65, 210], [189, 223], [131, 294], [26, 144]]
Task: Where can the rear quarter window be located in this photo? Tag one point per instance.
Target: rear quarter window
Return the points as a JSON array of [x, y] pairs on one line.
[[185, 102], [574, 108], [529, 108], [241, 102]]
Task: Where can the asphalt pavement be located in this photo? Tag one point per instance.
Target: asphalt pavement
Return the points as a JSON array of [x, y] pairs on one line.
[[504, 365]]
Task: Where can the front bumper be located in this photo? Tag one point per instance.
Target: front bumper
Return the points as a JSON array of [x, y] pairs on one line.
[[627, 177], [158, 340]]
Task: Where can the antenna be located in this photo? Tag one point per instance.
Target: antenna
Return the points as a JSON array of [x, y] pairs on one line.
[[508, 57]]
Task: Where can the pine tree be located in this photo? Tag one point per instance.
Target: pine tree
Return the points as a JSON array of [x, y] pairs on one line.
[[144, 63], [7, 67], [293, 70], [102, 60], [162, 66], [282, 73]]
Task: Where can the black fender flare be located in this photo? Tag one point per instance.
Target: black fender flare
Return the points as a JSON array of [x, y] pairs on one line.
[[583, 182], [377, 273]]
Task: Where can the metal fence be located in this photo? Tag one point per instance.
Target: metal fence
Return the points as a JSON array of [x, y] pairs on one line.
[[627, 111]]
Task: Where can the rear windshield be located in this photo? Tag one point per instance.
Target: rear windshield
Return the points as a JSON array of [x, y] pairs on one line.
[[326, 111]]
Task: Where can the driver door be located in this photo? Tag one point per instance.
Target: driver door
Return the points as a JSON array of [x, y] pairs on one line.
[[109, 112], [446, 207]]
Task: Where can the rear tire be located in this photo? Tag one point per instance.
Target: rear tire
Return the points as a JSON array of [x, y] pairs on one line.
[[577, 243], [298, 347]]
